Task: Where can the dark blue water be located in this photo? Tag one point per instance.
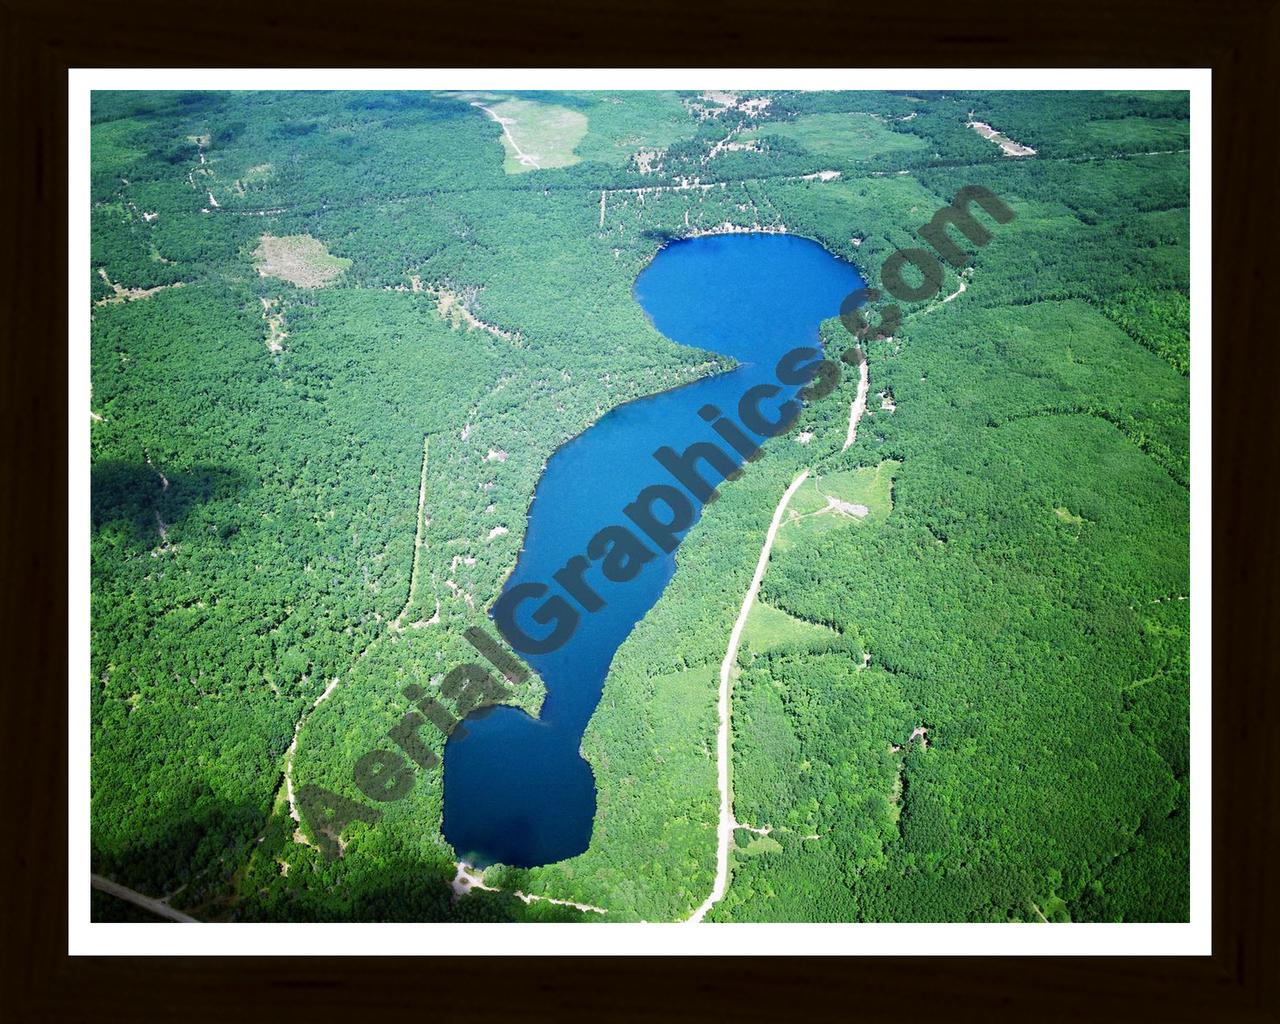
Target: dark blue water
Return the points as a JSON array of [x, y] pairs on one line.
[[516, 790]]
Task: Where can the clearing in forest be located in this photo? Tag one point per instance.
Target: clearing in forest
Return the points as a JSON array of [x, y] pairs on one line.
[[856, 496], [624, 125], [1006, 144], [536, 135], [750, 845], [769, 627], [123, 294], [298, 259], [840, 136]]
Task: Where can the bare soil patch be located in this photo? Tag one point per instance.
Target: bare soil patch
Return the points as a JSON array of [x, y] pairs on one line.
[[298, 259], [275, 325], [1006, 144], [123, 294]]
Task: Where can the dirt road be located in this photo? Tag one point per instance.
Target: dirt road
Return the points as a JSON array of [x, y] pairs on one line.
[[727, 823], [154, 906]]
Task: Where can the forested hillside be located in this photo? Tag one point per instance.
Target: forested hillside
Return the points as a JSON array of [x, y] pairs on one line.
[[335, 338]]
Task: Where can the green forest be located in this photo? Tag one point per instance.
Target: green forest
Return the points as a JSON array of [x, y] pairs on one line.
[[336, 337]]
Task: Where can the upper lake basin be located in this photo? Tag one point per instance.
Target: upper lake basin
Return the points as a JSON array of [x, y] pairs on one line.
[[516, 789]]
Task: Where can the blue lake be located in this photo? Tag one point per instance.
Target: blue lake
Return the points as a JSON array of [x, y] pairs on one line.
[[516, 789]]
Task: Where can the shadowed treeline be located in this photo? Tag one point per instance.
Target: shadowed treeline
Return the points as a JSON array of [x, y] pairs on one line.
[[137, 498]]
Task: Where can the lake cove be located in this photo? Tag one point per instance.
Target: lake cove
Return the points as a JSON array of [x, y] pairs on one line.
[[516, 789]]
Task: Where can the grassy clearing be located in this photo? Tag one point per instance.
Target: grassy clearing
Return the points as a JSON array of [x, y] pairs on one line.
[[298, 259], [625, 122], [841, 137], [538, 135], [869, 486], [755, 845], [857, 497], [769, 627]]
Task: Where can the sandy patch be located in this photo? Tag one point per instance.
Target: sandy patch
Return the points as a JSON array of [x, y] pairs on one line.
[[123, 294], [859, 405], [275, 326], [715, 102], [727, 145], [729, 228], [467, 879], [298, 835], [460, 594], [957, 293], [528, 898], [847, 508], [649, 161], [1006, 144], [424, 623], [298, 259], [454, 307]]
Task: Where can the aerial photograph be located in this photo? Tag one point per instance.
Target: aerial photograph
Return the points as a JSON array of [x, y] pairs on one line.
[[639, 506]]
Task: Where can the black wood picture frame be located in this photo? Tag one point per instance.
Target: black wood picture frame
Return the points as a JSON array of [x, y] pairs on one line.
[[40, 41]]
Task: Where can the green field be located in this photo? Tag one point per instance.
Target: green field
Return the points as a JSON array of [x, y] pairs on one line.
[[537, 135], [769, 627], [857, 498], [844, 137]]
